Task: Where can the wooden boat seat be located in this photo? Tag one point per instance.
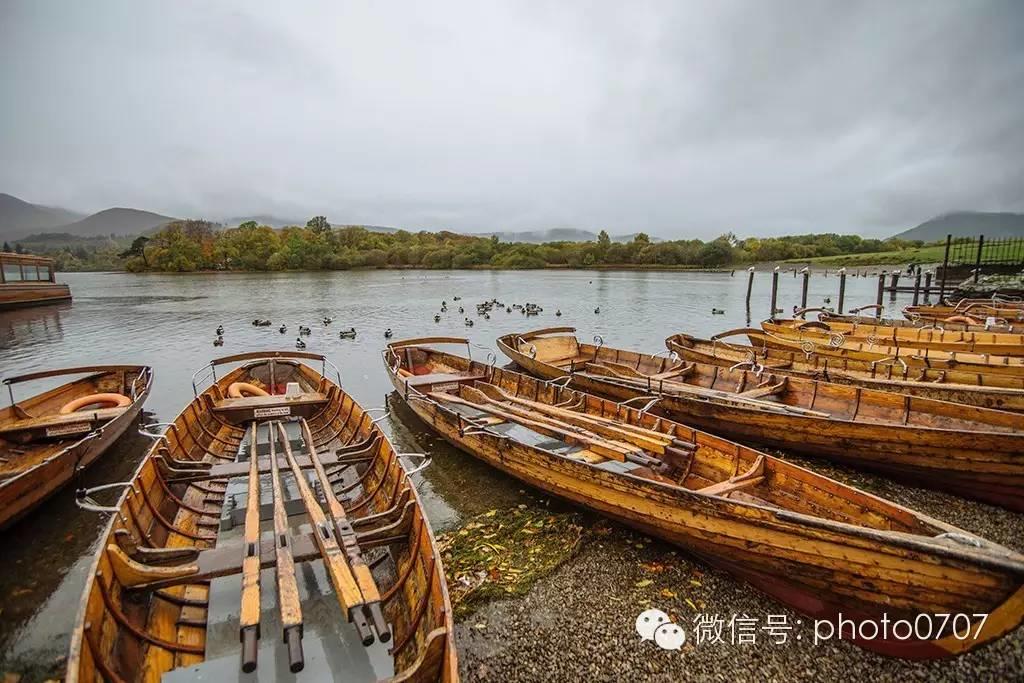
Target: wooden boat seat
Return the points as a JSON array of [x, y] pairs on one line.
[[58, 426], [442, 381], [752, 477], [259, 407]]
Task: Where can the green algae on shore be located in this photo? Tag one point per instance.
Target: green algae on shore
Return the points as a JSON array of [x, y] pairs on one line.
[[501, 553]]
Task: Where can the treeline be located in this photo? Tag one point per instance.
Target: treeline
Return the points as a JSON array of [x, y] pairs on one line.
[[193, 245]]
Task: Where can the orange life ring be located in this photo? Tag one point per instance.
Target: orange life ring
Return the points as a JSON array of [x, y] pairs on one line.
[[965, 319], [108, 401], [241, 389]]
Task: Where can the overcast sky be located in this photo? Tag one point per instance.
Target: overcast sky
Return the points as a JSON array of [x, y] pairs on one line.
[[684, 119]]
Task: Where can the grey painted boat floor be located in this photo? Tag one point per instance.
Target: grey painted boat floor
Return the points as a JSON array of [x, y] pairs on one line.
[[331, 645]]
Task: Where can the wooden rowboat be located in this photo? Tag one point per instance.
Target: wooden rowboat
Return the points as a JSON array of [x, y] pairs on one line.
[[269, 513], [881, 353], [45, 440], [996, 343], [1002, 326], [937, 384], [815, 544], [973, 452], [971, 311]]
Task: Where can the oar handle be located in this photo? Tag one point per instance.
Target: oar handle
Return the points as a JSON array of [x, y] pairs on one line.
[[293, 640], [250, 645]]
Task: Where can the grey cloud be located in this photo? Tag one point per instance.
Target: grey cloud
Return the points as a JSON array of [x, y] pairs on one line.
[[681, 119]]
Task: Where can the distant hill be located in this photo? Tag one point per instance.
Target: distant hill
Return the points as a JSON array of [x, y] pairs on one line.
[[117, 221], [19, 218], [967, 224], [555, 235]]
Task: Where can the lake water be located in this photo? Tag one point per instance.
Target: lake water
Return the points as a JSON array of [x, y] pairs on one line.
[[168, 322]]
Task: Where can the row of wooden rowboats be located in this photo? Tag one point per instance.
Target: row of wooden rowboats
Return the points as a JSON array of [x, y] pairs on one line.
[[273, 510]]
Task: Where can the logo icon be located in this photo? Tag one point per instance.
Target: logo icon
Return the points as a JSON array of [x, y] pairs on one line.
[[655, 625]]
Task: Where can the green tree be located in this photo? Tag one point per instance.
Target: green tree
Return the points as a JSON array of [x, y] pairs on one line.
[[318, 224], [7, 247], [137, 249]]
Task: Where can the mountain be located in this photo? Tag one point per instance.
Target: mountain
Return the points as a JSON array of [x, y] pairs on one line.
[[117, 221], [967, 224], [18, 217]]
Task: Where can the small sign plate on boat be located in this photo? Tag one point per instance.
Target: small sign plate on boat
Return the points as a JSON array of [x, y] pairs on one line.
[[448, 386], [280, 411], [64, 430]]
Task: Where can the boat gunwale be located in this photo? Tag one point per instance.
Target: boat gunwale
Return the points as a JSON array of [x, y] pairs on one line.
[[447, 666], [1010, 433], [1012, 561]]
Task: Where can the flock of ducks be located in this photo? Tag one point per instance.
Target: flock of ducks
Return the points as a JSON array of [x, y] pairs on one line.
[[304, 331], [485, 308]]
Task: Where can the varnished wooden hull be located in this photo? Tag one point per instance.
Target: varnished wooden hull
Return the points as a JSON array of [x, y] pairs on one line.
[[912, 357], [60, 462], [978, 310], [141, 617], [1011, 326], [997, 344], [24, 294], [987, 466], [935, 384], [820, 567]]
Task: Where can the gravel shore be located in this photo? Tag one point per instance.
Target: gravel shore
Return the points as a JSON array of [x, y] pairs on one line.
[[580, 620]]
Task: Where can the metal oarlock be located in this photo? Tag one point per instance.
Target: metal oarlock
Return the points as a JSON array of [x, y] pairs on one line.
[[157, 436], [382, 409], [561, 382], [651, 400], [84, 499], [424, 462]]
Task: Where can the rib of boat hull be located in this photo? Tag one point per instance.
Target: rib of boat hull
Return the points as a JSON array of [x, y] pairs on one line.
[[987, 466], [21, 494], [940, 385], [817, 567], [147, 599]]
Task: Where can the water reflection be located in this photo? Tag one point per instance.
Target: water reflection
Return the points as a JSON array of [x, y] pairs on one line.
[[32, 326], [168, 321]]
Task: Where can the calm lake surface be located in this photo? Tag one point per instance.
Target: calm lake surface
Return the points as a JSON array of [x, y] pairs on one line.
[[168, 322]]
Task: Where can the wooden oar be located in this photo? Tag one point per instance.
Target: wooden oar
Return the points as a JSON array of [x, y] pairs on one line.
[[287, 588], [345, 586], [599, 446], [249, 617], [717, 394], [561, 427], [343, 528], [653, 441]]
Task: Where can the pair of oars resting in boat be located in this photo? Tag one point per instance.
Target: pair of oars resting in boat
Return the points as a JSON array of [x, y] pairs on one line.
[[336, 540], [751, 397], [603, 437]]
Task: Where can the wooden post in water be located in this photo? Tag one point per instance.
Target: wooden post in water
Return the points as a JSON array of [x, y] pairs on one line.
[[893, 281], [750, 287], [775, 290], [842, 289], [977, 261], [878, 297], [803, 293], [945, 267], [927, 285], [917, 286]]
